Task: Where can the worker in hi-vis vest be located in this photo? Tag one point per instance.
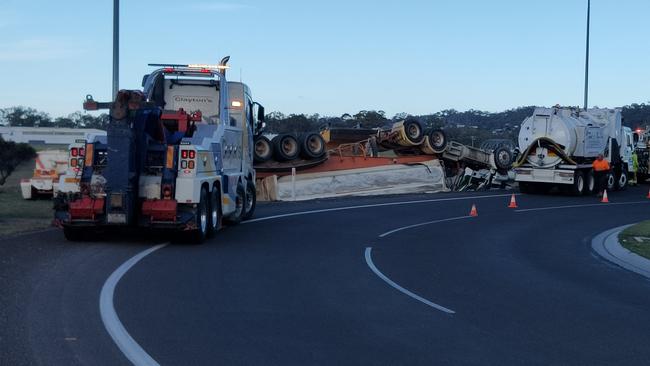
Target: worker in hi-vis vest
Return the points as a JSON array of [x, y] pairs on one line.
[[635, 168], [601, 169]]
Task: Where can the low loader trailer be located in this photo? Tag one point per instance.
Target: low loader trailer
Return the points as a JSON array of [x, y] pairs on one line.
[[178, 155]]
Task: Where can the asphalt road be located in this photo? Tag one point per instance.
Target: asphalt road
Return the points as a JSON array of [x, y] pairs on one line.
[[343, 287]]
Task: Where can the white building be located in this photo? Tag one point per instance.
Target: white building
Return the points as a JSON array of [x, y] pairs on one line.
[[48, 136]]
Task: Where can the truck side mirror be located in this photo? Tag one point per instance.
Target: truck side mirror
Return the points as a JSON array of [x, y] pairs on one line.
[[144, 79], [260, 113]]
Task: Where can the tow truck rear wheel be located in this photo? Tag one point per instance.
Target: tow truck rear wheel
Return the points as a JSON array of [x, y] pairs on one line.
[[251, 200], [201, 218], [215, 211], [236, 217]]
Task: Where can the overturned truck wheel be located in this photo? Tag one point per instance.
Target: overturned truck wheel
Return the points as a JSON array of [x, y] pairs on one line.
[[312, 146], [503, 158], [285, 147], [437, 140], [263, 149]]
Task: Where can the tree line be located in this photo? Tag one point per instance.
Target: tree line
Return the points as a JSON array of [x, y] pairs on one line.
[[11, 155], [464, 126], [29, 117]]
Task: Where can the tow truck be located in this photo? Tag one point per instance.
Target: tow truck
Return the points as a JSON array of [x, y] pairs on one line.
[[178, 155]]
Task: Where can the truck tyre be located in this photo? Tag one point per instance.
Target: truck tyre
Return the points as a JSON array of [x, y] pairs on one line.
[[312, 146], [285, 147], [503, 158], [263, 149], [437, 140], [236, 217], [201, 217], [621, 180], [611, 182], [75, 233], [413, 131], [578, 187], [215, 212], [251, 200], [590, 183]]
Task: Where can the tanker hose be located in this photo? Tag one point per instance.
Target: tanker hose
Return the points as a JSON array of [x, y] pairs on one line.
[[547, 143]]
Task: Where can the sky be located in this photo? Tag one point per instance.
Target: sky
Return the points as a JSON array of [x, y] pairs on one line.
[[334, 57]]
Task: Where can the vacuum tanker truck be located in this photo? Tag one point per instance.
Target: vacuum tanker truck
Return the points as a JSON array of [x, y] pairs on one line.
[[558, 146]]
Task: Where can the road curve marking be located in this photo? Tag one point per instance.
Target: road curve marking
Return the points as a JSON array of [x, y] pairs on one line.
[[422, 224], [400, 288], [129, 347], [345, 208], [587, 205]]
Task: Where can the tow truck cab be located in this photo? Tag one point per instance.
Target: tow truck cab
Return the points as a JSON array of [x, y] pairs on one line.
[[178, 155]]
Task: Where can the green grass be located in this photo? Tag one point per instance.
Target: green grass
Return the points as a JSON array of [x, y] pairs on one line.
[[636, 238], [17, 214]]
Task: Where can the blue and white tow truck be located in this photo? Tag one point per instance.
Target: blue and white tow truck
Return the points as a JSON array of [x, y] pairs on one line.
[[178, 154]]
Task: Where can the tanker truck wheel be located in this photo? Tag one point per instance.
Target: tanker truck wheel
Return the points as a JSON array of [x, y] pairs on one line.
[[578, 187], [251, 200], [611, 182], [263, 150], [590, 183], [236, 217], [621, 182], [312, 146], [215, 211], [285, 147], [201, 219], [438, 140]]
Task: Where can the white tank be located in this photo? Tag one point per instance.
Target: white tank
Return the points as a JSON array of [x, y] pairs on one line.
[[579, 133]]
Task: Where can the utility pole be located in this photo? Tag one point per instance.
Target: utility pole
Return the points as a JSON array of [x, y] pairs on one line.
[[116, 47], [587, 55]]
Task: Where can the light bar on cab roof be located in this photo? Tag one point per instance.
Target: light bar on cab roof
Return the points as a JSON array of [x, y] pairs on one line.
[[193, 66], [205, 66]]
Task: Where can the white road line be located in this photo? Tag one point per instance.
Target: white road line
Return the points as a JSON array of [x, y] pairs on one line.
[[138, 356], [400, 288], [422, 224], [587, 205], [375, 205], [129, 347]]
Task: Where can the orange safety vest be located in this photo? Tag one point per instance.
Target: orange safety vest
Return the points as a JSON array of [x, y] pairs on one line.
[[600, 165]]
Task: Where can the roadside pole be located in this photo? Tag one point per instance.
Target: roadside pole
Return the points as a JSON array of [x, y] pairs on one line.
[[116, 47], [293, 184]]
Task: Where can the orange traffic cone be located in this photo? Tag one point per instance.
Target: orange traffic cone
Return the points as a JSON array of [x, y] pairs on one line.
[[473, 212], [513, 202], [605, 199]]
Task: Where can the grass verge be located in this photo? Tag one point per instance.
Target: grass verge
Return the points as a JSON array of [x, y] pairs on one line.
[[636, 238], [17, 214]]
